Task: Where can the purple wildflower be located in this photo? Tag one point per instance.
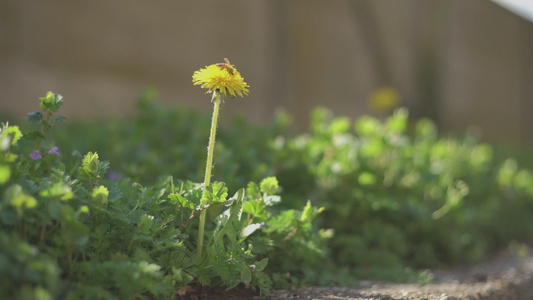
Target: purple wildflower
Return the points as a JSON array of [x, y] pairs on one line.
[[262, 225], [113, 175], [35, 155], [54, 151]]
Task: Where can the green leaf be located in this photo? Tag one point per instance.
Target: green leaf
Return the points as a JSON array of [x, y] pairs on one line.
[[181, 200], [397, 123], [60, 119], [145, 223], [217, 192], [35, 117], [90, 161], [51, 102], [319, 117], [226, 220], [271, 200], [18, 199], [425, 128], [55, 209], [59, 191], [246, 273], [100, 195], [309, 212], [366, 126], [9, 157], [269, 185], [246, 231], [84, 209], [33, 135], [236, 207], [339, 125], [252, 190], [367, 178], [77, 233], [91, 168], [5, 173], [12, 131], [254, 208], [260, 265]]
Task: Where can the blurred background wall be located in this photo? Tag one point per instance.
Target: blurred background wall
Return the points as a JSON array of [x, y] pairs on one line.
[[458, 62]]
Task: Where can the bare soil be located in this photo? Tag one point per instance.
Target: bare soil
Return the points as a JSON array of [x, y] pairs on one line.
[[506, 276]]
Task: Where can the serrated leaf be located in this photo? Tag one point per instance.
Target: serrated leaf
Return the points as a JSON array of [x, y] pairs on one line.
[[91, 161], [252, 190], [100, 195], [226, 219], [254, 208], [102, 168], [51, 102], [13, 132], [236, 208], [217, 192], [145, 223], [269, 185], [181, 200], [115, 194], [90, 165]]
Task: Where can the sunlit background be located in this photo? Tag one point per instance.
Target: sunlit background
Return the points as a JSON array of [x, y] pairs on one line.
[[461, 63]]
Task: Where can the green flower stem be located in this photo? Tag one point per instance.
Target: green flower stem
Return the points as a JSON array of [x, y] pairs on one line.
[[208, 167]]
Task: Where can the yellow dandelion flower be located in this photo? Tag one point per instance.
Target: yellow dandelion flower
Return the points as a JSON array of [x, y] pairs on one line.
[[222, 78], [384, 99]]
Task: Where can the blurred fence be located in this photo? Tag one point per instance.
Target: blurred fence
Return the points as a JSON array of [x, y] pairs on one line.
[[459, 62]]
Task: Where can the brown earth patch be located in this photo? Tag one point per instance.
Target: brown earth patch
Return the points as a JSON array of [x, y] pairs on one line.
[[506, 276]]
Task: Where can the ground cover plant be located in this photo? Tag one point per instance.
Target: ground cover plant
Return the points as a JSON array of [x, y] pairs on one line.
[[398, 199], [116, 214], [71, 230], [396, 193]]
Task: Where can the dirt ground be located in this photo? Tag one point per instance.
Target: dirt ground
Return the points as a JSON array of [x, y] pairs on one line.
[[506, 276]]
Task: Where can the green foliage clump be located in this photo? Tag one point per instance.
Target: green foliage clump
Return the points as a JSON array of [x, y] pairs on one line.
[[395, 192], [69, 230], [391, 196], [399, 195]]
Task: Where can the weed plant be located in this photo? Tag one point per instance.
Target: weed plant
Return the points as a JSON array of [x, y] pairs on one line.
[[396, 193], [70, 229], [398, 197]]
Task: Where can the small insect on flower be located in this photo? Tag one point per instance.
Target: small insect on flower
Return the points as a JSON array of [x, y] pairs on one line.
[[221, 78], [226, 65]]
